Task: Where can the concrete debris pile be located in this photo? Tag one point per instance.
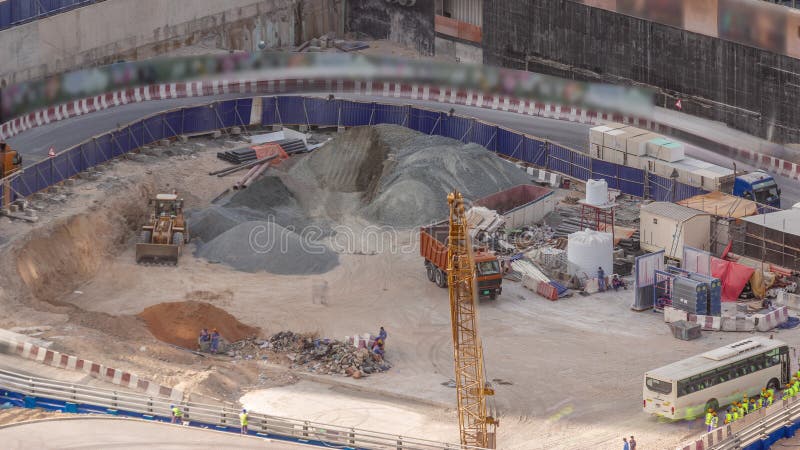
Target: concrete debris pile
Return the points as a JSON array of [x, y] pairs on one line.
[[324, 356]]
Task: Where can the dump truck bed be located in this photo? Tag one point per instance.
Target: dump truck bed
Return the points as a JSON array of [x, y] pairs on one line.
[[432, 241]]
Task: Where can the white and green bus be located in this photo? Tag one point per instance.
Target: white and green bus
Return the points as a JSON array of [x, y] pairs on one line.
[[686, 389]]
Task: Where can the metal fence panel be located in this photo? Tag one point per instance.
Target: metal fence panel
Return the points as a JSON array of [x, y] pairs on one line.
[[173, 123], [582, 166], [455, 127], [631, 181], [135, 133], [559, 159], [103, 148], [606, 171], [534, 152], [684, 191], [484, 134], [59, 166], [121, 142], [395, 114], [354, 114], [322, 112], [269, 111], [198, 119], [225, 115], [242, 108], [290, 110], [153, 129], [660, 188], [509, 143], [77, 163], [424, 121]]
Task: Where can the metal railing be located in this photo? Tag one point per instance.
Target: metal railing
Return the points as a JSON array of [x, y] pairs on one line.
[[52, 394], [756, 426]]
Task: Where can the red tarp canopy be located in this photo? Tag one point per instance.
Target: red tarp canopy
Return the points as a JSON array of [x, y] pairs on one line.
[[733, 277]]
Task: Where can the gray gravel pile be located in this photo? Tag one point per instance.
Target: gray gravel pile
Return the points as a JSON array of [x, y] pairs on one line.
[[414, 190], [206, 224], [256, 246]]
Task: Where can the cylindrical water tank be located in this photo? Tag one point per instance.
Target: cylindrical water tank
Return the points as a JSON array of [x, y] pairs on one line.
[[587, 250], [596, 192]]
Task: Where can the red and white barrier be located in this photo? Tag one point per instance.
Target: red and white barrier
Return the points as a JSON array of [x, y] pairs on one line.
[[119, 377], [708, 323], [772, 319]]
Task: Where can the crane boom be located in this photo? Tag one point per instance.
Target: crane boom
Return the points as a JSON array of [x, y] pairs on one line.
[[476, 427]]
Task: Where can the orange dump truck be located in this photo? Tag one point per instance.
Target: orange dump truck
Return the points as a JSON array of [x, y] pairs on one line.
[[433, 247]]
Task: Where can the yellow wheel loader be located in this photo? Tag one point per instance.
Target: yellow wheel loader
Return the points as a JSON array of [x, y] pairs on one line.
[[162, 238]]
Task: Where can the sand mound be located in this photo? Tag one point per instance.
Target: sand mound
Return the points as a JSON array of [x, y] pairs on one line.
[[180, 323], [266, 246]]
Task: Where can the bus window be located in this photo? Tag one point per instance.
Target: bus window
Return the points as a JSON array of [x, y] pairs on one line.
[[659, 386]]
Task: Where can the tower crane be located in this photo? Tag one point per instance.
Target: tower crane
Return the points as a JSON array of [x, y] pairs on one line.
[[477, 428]]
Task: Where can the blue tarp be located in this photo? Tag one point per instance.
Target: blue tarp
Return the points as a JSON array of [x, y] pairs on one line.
[[424, 121], [484, 134], [352, 114], [291, 110], [455, 127], [322, 112]]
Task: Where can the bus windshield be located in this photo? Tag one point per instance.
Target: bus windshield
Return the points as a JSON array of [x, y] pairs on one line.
[[659, 386]]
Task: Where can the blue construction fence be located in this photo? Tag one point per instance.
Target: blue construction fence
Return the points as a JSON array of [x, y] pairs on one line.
[[16, 12], [298, 110]]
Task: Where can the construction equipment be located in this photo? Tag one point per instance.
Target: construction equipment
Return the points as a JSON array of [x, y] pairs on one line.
[[477, 428], [162, 238], [10, 160], [433, 247]]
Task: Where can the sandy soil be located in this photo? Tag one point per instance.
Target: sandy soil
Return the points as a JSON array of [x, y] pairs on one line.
[[568, 374]]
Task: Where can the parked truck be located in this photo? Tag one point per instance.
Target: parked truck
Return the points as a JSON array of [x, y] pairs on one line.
[[433, 247]]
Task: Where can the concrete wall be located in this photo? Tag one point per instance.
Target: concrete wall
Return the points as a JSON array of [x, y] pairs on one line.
[[120, 29], [750, 89], [411, 26], [452, 50]]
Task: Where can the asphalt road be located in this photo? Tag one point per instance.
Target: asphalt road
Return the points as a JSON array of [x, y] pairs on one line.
[[102, 433], [34, 143]]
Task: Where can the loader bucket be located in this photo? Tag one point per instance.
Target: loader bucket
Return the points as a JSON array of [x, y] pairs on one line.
[[157, 253]]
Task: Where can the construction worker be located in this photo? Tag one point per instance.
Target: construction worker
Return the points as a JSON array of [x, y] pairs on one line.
[[243, 420], [745, 405], [735, 412], [729, 415], [753, 406], [177, 414], [741, 410], [770, 396], [714, 421], [214, 340], [601, 279], [709, 419], [382, 335], [796, 385], [787, 392]]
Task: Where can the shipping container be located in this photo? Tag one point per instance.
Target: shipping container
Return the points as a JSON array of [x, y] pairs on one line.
[[521, 205]]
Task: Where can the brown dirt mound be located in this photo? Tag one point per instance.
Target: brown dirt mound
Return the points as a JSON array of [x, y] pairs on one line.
[[180, 323]]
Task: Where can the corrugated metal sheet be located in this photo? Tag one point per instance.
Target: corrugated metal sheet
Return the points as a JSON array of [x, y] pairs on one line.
[[671, 210], [469, 11]]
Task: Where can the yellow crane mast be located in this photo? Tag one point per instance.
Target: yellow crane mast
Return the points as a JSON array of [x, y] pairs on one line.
[[476, 426]]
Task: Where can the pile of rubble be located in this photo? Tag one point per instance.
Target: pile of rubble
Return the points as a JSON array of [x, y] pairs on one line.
[[324, 356]]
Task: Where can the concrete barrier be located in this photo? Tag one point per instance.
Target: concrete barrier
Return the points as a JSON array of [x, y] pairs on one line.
[[38, 350]]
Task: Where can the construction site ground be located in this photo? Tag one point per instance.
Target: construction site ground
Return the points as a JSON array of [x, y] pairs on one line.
[[568, 374]]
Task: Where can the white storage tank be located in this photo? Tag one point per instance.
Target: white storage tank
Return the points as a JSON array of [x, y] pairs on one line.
[[587, 250], [596, 192]]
